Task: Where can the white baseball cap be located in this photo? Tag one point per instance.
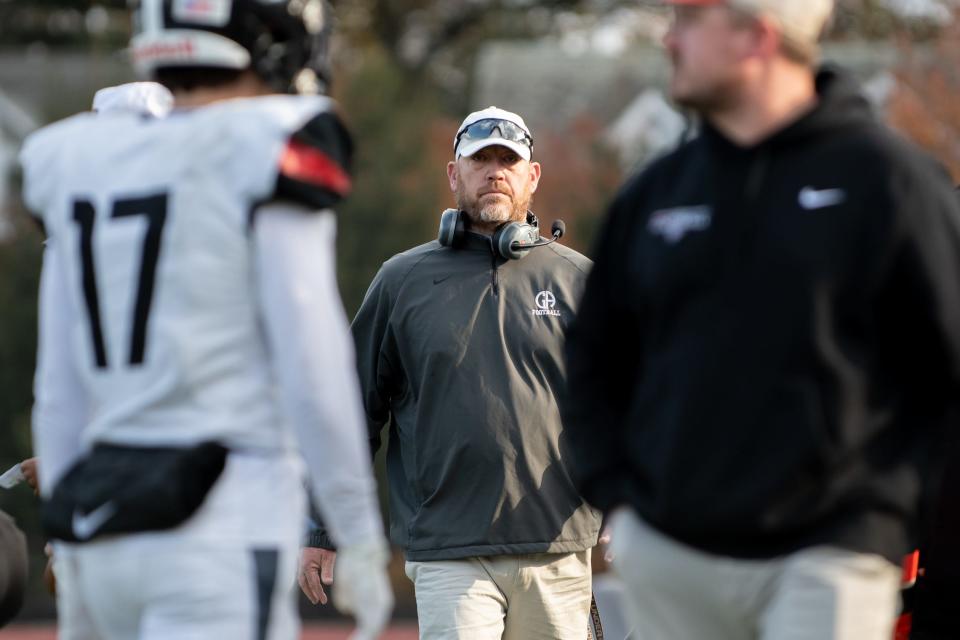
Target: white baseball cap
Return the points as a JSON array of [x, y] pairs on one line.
[[493, 126], [801, 21]]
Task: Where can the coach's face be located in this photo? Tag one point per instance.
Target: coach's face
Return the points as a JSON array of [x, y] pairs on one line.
[[494, 185], [706, 46]]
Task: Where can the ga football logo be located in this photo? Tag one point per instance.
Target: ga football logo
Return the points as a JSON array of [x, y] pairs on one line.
[[546, 303]]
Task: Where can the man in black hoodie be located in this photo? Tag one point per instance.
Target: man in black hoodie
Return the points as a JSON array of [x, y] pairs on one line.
[[768, 337]]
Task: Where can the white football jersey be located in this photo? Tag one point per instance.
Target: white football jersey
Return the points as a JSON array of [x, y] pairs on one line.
[[151, 221]]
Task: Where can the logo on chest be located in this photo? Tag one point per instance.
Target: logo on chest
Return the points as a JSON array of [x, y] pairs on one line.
[[546, 304], [812, 199], [673, 224]]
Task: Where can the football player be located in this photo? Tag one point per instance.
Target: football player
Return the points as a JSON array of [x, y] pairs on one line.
[[192, 338]]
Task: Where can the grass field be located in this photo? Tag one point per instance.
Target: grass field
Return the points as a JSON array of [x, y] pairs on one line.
[[311, 632]]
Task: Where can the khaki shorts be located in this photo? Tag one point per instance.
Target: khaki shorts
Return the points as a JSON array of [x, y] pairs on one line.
[[516, 597], [821, 593]]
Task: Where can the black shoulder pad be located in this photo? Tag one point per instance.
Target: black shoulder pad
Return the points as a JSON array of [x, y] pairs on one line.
[[315, 164]]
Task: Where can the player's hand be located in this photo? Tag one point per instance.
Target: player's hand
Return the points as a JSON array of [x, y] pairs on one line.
[[363, 588], [49, 578], [29, 470], [316, 570]]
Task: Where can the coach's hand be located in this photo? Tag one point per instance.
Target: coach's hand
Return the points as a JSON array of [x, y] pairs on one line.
[[363, 587], [606, 537], [316, 570]]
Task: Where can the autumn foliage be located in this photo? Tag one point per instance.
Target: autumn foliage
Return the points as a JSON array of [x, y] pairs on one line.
[[925, 105]]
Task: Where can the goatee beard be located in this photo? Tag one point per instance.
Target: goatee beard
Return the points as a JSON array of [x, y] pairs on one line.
[[494, 212]]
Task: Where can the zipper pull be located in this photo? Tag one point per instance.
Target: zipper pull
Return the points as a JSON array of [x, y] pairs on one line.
[[494, 273]]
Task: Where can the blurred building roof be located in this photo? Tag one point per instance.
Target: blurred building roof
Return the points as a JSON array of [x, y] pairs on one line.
[[38, 86], [53, 84], [938, 11], [551, 84]]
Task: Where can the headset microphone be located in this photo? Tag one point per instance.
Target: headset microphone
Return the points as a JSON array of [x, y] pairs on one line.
[[557, 229], [511, 241]]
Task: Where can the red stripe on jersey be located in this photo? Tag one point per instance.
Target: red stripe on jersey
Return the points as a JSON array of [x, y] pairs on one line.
[[308, 164]]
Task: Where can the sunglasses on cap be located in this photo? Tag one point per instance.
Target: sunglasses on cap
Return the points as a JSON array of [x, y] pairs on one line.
[[493, 128]]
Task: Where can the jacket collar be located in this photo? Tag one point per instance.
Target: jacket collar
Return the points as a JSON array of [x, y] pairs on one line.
[[473, 241]]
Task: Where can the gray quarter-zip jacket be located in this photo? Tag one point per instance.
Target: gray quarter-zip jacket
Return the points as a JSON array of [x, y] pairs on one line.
[[462, 353]]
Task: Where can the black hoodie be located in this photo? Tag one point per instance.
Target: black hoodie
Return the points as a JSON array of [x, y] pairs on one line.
[[770, 336]]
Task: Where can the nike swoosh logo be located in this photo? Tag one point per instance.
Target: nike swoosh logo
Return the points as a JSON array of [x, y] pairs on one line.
[[439, 280], [811, 198], [85, 526]]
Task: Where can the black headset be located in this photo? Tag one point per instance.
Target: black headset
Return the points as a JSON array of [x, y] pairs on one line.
[[511, 241]]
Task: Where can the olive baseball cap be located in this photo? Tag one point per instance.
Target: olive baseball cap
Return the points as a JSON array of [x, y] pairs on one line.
[[801, 21]]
